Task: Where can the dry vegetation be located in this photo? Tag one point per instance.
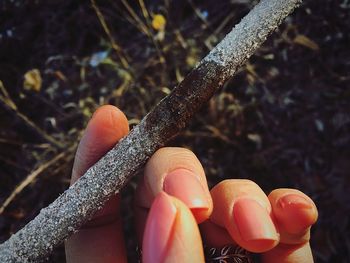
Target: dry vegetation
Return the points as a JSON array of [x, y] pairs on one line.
[[283, 121]]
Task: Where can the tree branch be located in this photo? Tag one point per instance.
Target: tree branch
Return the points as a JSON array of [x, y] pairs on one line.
[[77, 204]]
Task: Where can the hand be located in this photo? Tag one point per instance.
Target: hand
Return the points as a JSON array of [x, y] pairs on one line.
[[173, 197]]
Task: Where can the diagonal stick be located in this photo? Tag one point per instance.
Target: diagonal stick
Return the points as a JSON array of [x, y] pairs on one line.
[[77, 204]]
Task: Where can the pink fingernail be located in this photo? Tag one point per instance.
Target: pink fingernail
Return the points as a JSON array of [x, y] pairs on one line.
[[253, 221], [158, 229], [186, 186], [294, 200]]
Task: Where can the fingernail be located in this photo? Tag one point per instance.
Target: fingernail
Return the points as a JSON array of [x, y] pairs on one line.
[[160, 221], [186, 186], [294, 200], [253, 221]]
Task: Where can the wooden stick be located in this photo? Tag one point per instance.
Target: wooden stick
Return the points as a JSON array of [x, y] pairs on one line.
[[77, 204]]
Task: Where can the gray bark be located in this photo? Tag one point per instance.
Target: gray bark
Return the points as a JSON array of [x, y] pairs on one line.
[[76, 205]]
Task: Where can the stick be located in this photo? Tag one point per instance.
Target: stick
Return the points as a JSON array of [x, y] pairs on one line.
[[77, 204]]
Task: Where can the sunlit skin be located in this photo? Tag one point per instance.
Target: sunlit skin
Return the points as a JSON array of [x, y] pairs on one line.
[[173, 197]]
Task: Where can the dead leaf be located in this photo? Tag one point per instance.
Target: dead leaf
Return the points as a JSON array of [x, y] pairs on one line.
[[306, 42], [32, 80], [158, 22], [256, 138], [60, 75], [191, 60]]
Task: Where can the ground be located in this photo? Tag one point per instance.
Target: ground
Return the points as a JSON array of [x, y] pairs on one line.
[[282, 121]]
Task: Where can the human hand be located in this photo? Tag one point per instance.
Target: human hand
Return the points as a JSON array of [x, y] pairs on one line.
[[173, 197]]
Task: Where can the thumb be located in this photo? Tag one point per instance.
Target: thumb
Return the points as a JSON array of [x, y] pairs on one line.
[[171, 233], [101, 239]]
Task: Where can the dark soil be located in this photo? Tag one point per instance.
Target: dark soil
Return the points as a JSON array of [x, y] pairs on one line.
[[283, 121]]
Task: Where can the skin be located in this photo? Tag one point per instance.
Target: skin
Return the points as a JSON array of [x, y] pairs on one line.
[[173, 197]]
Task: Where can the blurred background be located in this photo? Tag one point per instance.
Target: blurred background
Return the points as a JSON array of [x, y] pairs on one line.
[[282, 121]]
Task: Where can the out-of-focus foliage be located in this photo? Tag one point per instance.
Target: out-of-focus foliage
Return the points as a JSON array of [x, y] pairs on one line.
[[283, 121], [158, 22], [32, 80]]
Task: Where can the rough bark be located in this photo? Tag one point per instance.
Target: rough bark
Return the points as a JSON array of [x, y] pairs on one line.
[[77, 204]]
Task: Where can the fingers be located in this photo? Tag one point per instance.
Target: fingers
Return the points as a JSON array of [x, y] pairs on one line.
[[106, 127], [100, 240], [171, 233], [178, 172], [100, 244], [243, 209], [215, 235], [295, 213], [278, 225]]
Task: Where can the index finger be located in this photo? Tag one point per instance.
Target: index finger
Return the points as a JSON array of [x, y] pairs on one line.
[[178, 172]]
